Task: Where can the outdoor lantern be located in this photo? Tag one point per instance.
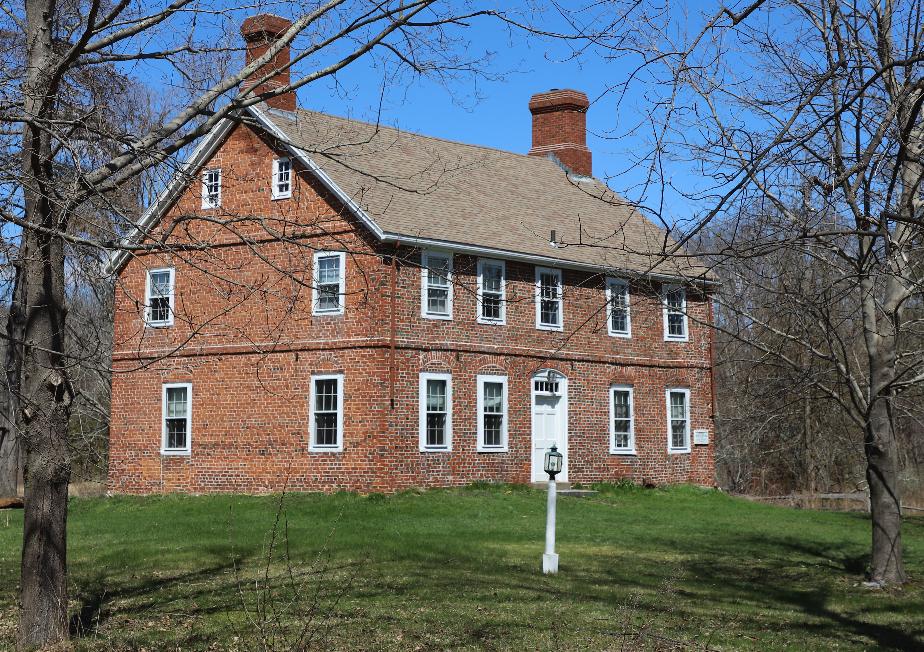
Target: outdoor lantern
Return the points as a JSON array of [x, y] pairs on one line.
[[553, 462]]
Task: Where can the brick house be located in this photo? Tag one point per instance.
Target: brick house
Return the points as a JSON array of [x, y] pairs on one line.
[[347, 306]]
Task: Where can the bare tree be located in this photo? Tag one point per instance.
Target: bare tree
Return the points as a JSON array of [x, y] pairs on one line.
[[801, 123], [69, 165]]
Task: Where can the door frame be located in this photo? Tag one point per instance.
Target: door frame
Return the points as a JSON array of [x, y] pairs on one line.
[[562, 423]]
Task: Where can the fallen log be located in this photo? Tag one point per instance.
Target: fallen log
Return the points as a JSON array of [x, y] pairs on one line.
[[14, 502]]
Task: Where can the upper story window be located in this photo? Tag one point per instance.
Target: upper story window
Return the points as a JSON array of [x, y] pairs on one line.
[[326, 416], [492, 413], [211, 188], [282, 178], [492, 307], [159, 300], [436, 285], [548, 299], [329, 282], [622, 415], [675, 313], [435, 412], [678, 420], [618, 322], [177, 419]]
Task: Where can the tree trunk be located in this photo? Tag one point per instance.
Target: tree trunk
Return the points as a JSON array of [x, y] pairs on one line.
[[45, 390], [10, 458], [886, 565]]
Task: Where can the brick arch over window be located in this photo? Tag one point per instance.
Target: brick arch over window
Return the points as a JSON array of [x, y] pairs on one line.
[[437, 361], [327, 361]]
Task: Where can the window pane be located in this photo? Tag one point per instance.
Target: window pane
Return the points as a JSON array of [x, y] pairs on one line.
[[675, 299], [493, 397], [438, 271], [548, 283], [436, 430], [325, 395], [678, 405], [621, 404], [491, 306], [160, 284], [176, 433], [675, 324], [678, 434], [325, 429], [548, 312], [438, 301], [493, 427], [176, 402], [436, 395], [491, 278], [329, 269], [160, 309], [329, 297], [619, 312]]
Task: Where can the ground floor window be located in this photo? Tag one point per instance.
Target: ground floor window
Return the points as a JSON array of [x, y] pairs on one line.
[[622, 414], [435, 412], [492, 413], [177, 419], [678, 420], [326, 412]]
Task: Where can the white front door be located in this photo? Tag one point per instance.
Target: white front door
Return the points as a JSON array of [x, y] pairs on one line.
[[550, 422]]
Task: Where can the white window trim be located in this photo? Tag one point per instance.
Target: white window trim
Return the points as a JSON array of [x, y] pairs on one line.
[[624, 284], [665, 290], [314, 448], [422, 403], [275, 187], [631, 449], [561, 301], [480, 268], [147, 298], [424, 266], [205, 189], [667, 400], [316, 290], [481, 447], [187, 450]]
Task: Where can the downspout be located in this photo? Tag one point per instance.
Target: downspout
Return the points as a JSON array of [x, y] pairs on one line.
[[394, 328]]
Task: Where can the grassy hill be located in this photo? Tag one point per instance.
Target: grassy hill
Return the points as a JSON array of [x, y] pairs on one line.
[[679, 568]]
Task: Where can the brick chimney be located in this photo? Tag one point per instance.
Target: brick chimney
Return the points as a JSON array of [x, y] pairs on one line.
[[560, 128], [260, 32]]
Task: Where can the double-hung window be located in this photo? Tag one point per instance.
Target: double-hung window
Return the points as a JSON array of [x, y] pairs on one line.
[[492, 413], [436, 285], [282, 178], [548, 299], [329, 282], [675, 313], [618, 321], [211, 188], [326, 414], [159, 301], [177, 419], [678, 420], [491, 288], [622, 415], [435, 412]]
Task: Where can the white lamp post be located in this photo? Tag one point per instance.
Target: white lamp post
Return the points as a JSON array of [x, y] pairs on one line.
[[552, 467]]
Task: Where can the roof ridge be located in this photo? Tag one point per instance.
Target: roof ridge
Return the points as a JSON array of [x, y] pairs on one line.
[[398, 130]]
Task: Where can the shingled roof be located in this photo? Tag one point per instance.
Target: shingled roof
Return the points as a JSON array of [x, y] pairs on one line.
[[433, 191]]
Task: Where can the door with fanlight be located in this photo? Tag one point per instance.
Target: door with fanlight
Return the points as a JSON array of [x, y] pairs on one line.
[[549, 421]]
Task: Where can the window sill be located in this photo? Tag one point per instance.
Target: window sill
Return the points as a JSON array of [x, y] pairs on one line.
[[491, 322], [328, 313], [545, 327], [325, 449], [625, 452], [676, 339], [175, 453], [622, 336], [438, 317], [278, 197], [427, 449], [678, 451], [495, 449], [154, 324]]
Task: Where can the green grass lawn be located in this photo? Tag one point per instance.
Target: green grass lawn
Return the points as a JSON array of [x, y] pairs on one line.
[[460, 569]]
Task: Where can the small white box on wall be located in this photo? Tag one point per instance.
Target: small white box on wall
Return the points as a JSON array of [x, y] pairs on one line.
[[700, 437]]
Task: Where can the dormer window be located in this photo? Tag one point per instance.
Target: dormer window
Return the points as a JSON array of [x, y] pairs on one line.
[[211, 188], [282, 178]]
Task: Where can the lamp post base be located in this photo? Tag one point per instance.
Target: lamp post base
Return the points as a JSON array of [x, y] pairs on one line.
[[549, 563]]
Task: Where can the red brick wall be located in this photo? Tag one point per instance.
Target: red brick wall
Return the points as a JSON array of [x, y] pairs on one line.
[[244, 336]]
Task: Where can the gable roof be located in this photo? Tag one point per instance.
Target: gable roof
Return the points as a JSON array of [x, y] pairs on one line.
[[425, 191]]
